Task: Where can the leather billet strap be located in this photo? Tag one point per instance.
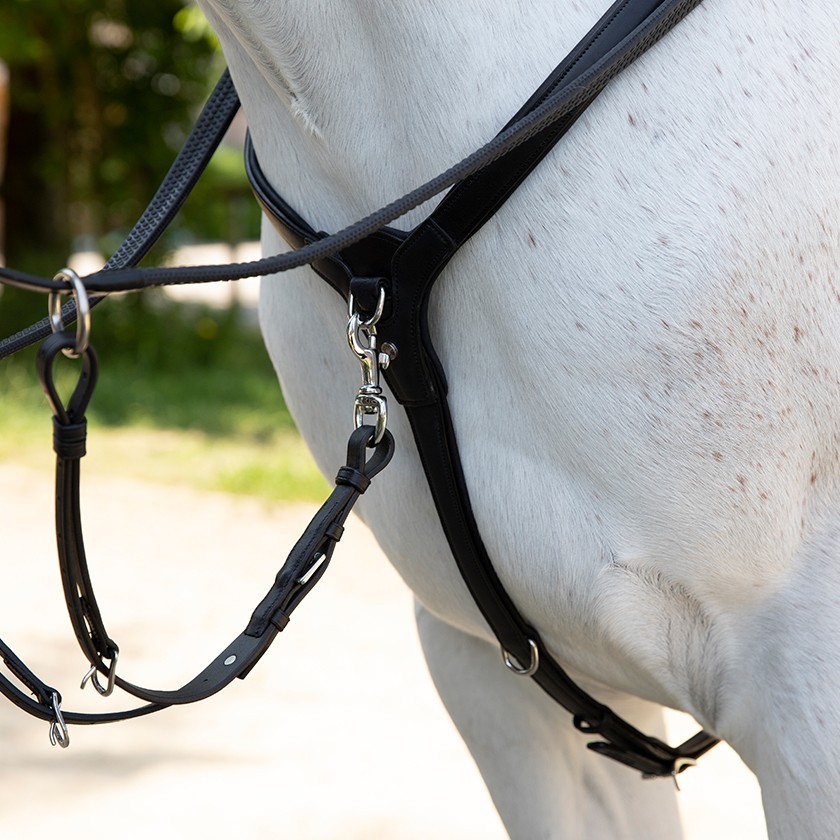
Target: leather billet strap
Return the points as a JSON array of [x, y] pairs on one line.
[[304, 566], [418, 381]]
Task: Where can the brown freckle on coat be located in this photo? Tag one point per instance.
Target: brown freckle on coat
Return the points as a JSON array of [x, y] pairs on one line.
[[763, 495], [580, 326], [813, 478], [742, 480], [695, 325], [666, 325], [718, 456], [632, 120], [532, 240], [797, 333]]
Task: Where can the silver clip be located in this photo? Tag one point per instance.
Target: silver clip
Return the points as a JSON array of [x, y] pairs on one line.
[[361, 336], [58, 728], [93, 676], [517, 668], [82, 312]]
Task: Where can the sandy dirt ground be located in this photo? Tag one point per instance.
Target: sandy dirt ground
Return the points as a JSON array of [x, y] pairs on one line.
[[337, 733]]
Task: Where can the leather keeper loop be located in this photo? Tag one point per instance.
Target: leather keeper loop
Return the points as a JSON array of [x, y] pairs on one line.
[[354, 478], [69, 440], [280, 620], [335, 532]]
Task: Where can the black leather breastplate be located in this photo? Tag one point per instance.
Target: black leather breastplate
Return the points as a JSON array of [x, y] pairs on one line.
[[407, 265]]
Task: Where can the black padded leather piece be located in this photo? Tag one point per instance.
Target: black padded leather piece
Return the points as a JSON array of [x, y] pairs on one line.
[[418, 381]]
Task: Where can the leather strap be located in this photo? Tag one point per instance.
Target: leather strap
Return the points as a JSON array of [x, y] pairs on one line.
[[418, 381], [303, 568], [564, 100]]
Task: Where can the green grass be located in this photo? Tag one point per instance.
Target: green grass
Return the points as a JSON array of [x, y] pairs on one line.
[[185, 395]]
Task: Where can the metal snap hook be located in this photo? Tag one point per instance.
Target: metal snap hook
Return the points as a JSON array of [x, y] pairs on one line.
[[58, 728], [93, 676], [82, 312]]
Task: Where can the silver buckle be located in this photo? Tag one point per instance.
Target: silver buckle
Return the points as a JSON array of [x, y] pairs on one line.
[[361, 336]]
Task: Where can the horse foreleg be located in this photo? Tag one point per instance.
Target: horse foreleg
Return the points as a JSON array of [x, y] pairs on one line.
[[543, 780], [781, 708]]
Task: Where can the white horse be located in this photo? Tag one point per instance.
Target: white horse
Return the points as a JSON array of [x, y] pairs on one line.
[[643, 350]]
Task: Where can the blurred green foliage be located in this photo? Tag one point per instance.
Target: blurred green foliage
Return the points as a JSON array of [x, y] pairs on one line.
[[103, 93]]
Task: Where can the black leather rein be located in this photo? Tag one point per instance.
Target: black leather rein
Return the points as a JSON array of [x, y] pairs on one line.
[[373, 264]]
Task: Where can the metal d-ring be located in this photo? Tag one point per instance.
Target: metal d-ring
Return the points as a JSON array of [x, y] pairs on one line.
[[373, 320], [93, 675], [82, 312], [58, 728], [516, 667]]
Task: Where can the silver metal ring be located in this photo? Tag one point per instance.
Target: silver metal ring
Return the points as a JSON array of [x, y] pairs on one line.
[[80, 297], [380, 306], [516, 667]]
